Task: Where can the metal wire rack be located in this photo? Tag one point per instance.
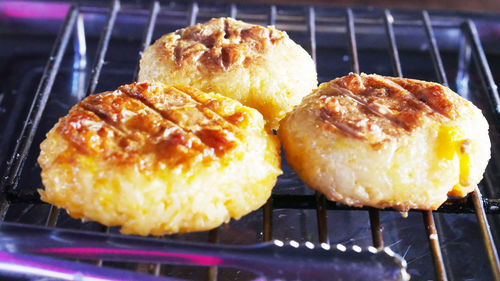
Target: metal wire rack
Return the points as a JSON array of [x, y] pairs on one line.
[[73, 26]]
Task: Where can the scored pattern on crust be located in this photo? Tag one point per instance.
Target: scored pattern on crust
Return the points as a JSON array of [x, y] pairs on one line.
[[220, 44], [378, 109], [148, 119]]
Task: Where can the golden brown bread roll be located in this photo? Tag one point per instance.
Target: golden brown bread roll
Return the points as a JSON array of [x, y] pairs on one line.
[[258, 66], [386, 142], [158, 159]]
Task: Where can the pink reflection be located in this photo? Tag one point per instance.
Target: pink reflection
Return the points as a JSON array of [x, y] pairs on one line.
[[33, 10], [91, 252]]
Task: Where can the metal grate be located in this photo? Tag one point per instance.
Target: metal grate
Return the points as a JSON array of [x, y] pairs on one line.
[[73, 25]]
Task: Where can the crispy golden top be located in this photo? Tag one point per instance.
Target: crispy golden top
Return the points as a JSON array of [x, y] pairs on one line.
[[378, 108], [176, 125], [219, 44]]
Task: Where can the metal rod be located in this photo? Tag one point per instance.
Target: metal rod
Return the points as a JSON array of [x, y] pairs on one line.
[[451, 206], [486, 233], [104, 229], [213, 237], [351, 40], [52, 216], [376, 229], [437, 257], [463, 77], [478, 51], [4, 207], [267, 231], [436, 57], [322, 219], [439, 267], [268, 220], [102, 47], [148, 33], [79, 59], [146, 41], [271, 19], [311, 27], [321, 213], [233, 11], [192, 14], [492, 90], [42, 94], [396, 64]]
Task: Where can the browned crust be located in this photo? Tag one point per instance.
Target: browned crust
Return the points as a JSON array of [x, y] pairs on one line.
[[142, 119], [380, 109], [220, 44]]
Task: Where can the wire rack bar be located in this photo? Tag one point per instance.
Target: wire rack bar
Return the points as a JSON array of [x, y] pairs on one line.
[[42, 94], [439, 267], [451, 206], [389, 29], [212, 272], [311, 28], [351, 40], [486, 234], [434, 50], [320, 200], [146, 41], [267, 231], [233, 11], [102, 47], [148, 33], [470, 31], [52, 216], [192, 14], [441, 78], [376, 229]]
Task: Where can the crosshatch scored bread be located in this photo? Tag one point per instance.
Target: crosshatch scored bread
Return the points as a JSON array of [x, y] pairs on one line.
[[259, 66], [158, 159], [386, 142]]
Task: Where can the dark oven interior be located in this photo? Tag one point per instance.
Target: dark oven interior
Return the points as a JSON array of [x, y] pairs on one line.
[[55, 53]]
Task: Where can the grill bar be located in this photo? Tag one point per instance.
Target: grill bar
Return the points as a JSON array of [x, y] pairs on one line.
[[233, 11], [491, 88], [79, 57], [434, 50], [437, 257], [451, 206], [470, 31], [193, 13], [376, 229], [148, 32], [52, 216], [352, 41], [486, 234], [30, 126], [439, 264], [213, 237], [146, 41], [435, 248], [311, 27], [389, 29], [267, 231], [321, 215], [102, 47]]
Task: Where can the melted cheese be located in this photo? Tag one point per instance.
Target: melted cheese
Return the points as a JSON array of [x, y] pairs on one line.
[[451, 144]]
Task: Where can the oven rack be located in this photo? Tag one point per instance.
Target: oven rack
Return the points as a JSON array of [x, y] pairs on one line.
[[73, 26]]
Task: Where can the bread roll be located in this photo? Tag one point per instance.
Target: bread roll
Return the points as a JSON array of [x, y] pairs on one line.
[[369, 140], [258, 66], [158, 159]]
